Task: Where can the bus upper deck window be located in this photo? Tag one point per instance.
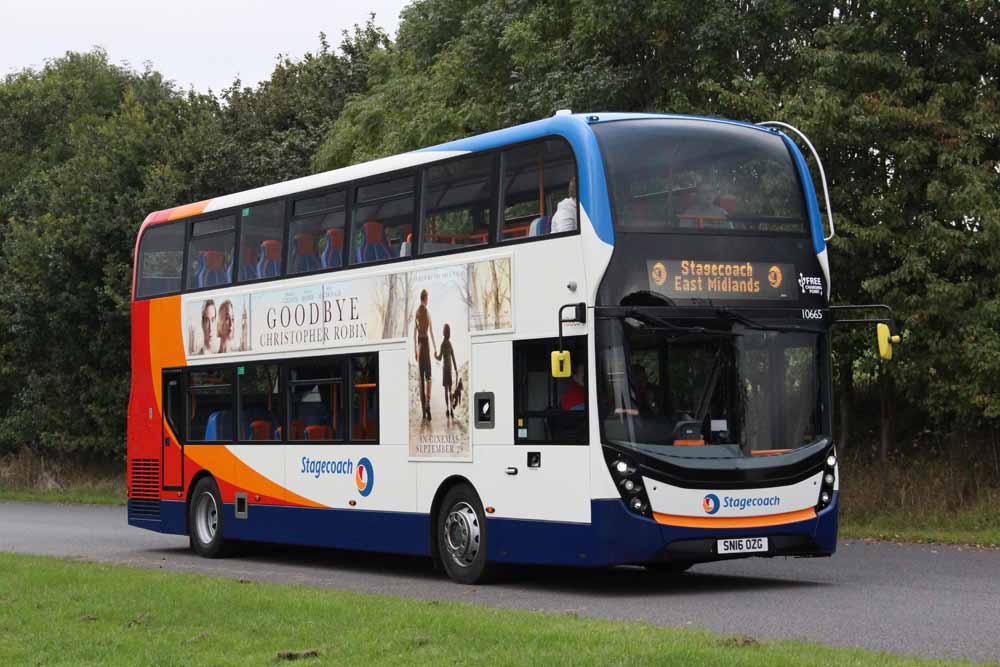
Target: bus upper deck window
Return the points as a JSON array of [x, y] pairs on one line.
[[210, 252], [458, 204], [316, 235], [538, 185], [382, 220], [161, 260], [261, 232]]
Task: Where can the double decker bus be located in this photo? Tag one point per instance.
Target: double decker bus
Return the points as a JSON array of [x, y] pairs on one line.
[[589, 340]]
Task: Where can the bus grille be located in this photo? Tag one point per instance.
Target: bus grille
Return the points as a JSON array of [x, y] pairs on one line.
[[144, 482]]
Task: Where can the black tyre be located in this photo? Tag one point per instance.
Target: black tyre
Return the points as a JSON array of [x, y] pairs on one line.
[[205, 520], [461, 537]]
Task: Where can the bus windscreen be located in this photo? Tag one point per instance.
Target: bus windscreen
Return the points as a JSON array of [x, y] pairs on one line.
[[692, 176]]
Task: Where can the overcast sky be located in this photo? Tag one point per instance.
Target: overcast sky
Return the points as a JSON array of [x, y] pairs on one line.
[[199, 43]]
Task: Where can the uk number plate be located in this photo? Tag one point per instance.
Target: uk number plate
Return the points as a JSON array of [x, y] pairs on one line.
[[742, 545]]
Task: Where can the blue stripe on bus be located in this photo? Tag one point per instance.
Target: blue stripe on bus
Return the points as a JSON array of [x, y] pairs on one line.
[[812, 203], [615, 535]]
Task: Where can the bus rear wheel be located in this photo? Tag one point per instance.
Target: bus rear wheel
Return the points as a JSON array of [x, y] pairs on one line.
[[205, 519], [461, 537]]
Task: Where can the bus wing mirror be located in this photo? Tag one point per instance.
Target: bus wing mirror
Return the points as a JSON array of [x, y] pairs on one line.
[[885, 341], [562, 364]]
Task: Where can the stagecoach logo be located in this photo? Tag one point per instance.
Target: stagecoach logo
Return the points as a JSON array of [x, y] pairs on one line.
[[810, 284], [710, 504], [658, 273], [365, 477], [774, 276], [364, 472]]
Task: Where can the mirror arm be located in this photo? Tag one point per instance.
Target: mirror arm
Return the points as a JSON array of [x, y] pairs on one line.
[[579, 315], [888, 319]]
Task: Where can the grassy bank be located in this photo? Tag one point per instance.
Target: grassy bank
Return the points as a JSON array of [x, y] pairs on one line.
[[108, 494], [924, 494], [58, 612], [31, 477]]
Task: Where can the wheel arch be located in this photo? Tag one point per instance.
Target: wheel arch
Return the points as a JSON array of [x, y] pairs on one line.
[[444, 487], [200, 475]]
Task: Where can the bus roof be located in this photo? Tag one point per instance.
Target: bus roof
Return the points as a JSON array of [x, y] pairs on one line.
[[571, 126]]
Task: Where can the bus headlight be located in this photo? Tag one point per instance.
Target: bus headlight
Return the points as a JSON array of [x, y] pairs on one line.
[[831, 461], [828, 479], [824, 498], [623, 468], [630, 485]]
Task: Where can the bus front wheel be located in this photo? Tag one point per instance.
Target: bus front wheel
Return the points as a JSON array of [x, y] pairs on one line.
[[461, 536], [205, 519]]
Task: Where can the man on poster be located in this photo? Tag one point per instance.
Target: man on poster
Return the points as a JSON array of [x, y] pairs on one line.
[[422, 330]]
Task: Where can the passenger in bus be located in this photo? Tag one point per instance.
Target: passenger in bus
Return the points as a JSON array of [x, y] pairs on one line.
[[649, 396], [208, 343], [564, 219], [704, 212], [423, 336], [575, 396]]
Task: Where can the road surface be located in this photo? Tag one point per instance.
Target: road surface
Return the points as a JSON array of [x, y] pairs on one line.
[[930, 601]]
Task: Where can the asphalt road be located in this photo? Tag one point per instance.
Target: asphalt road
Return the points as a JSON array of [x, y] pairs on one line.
[[931, 601]]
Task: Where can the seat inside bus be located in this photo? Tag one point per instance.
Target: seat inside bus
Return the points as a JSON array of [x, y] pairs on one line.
[[219, 426], [332, 254], [269, 262], [211, 269], [304, 257]]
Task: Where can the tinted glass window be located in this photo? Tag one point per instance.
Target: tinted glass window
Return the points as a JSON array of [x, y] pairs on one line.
[[690, 176], [383, 221], [261, 398], [550, 409], [210, 253], [316, 400], [210, 415], [161, 260], [364, 397], [458, 202], [316, 236], [539, 190], [261, 230]]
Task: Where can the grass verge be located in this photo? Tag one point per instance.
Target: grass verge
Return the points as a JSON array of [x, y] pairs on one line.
[[59, 612], [88, 495], [977, 526]]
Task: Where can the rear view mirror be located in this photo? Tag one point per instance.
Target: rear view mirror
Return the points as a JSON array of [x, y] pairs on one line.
[[885, 341], [562, 364]]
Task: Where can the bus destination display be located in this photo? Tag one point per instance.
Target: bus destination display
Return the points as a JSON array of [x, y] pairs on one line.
[[703, 279]]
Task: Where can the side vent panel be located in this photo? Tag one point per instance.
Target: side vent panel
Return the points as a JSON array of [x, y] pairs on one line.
[[144, 482]]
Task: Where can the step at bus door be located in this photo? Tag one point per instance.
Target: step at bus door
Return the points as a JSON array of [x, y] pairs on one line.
[[172, 448]]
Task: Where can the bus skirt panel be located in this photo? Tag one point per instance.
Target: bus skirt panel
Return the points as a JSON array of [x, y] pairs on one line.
[[614, 536]]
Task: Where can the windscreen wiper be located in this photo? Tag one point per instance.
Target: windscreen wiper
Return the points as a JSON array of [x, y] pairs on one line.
[[662, 324]]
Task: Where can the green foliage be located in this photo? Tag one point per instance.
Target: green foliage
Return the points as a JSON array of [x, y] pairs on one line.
[[87, 150], [901, 98]]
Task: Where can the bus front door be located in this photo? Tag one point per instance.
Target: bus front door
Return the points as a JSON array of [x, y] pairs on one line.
[[172, 448]]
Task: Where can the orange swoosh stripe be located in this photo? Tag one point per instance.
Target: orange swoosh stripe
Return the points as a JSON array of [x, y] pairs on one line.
[[217, 459], [187, 210], [734, 522]]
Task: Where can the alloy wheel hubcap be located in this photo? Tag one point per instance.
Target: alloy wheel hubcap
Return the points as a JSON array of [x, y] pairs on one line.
[[462, 534], [206, 518]]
